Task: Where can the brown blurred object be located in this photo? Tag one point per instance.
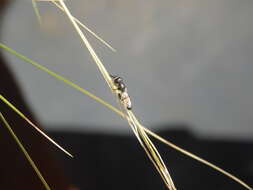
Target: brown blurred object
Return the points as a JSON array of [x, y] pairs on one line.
[[15, 171], [73, 188]]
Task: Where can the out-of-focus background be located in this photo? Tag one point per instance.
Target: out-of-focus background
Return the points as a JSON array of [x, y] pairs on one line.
[[187, 65], [183, 61]]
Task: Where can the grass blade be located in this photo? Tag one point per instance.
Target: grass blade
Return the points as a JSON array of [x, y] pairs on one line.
[[197, 158], [36, 10], [33, 125], [22, 148], [86, 28], [59, 77], [146, 143], [88, 46], [79, 22]]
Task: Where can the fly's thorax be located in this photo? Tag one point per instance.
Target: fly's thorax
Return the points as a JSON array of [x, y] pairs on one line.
[[121, 90]]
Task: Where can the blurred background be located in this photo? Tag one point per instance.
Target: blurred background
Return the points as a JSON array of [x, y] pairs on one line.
[[183, 61], [187, 64]]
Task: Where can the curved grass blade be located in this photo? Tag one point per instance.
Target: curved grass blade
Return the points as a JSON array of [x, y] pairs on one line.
[[33, 125], [124, 116], [22, 148]]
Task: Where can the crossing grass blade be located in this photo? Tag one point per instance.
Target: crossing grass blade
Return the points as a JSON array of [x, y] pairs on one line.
[[22, 148], [124, 116], [78, 21], [33, 125]]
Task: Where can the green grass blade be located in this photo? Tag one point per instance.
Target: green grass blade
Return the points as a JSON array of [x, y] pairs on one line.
[[61, 78], [33, 125], [22, 148]]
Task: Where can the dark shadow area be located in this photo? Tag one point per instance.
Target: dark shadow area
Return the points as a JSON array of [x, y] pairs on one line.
[[15, 171], [118, 162]]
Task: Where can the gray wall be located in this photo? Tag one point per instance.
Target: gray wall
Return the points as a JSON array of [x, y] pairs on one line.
[[184, 61]]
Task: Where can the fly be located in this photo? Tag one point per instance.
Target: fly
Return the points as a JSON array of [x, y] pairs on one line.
[[121, 91]]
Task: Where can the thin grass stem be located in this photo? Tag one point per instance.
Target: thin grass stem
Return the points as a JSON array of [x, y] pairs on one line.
[[86, 28], [197, 158], [33, 125], [36, 10], [79, 22], [88, 46], [141, 134], [22, 148]]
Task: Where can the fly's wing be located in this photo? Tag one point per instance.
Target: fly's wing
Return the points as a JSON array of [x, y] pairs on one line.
[[121, 106]]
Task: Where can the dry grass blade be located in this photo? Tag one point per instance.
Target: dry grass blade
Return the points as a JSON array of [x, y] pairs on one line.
[[146, 143], [36, 10], [86, 28], [80, 23], [195, 157], [22, 148], [120, 113], [88, 46], [33, 125], [151, 151]]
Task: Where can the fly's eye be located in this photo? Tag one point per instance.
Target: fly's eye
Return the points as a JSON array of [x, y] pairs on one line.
[[129, 107], [118, 80], [122, 87], [114, 77]]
